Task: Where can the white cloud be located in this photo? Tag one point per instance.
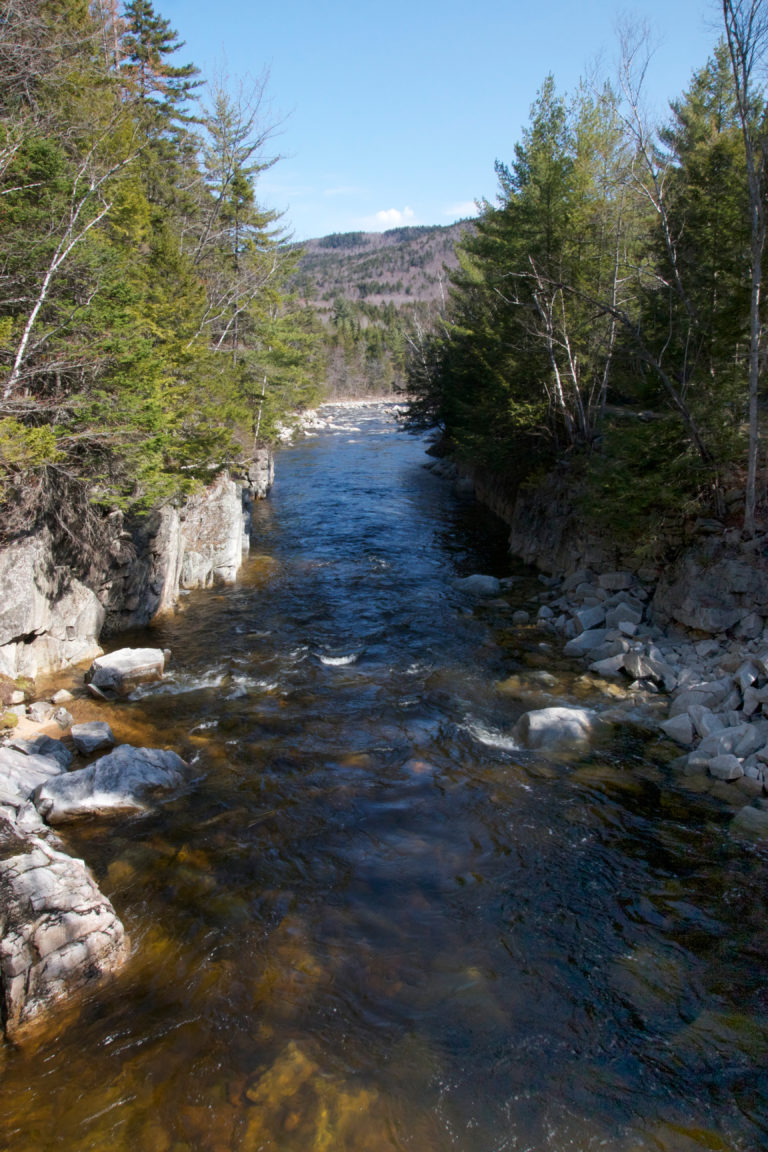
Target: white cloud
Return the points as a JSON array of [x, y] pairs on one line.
[[393, 217], [461, 210]]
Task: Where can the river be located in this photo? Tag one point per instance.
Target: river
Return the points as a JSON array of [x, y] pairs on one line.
[[372, 924]]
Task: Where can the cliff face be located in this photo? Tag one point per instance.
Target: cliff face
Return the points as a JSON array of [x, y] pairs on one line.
[[50, 618]]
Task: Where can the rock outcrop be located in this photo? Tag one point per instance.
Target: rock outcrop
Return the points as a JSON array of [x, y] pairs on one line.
[[48, 617], [58, 932], [52, 618]]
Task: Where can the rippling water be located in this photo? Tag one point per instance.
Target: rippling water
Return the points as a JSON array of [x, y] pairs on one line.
[[373, 924]]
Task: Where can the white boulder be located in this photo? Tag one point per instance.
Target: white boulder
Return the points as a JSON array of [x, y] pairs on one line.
[[555, 727], [122, 670]]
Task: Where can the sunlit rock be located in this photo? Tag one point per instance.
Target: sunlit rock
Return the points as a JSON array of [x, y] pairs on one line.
[[119, 672], [123, 781], [21, 772], [59, 932]]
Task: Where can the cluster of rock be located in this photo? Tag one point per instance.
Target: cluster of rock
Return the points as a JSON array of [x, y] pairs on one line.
[[52, 618], [715, 687], [707, 693], [325, 418], [58, 932]]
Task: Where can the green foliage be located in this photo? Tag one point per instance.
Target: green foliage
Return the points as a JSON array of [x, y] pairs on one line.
[[598, 320], [644, 483], [143, 291]]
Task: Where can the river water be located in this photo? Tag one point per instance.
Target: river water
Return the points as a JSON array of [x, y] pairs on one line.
[[372, 924]]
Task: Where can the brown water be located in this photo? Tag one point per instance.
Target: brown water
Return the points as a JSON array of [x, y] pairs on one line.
[[372, 924]]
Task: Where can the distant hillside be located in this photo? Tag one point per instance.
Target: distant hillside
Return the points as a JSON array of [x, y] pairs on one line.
[[371, 292], [399, 267]]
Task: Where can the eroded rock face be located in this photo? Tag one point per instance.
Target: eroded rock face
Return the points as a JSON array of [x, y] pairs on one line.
[[48, 618], [59, 932], [123, 781], [51, 619]]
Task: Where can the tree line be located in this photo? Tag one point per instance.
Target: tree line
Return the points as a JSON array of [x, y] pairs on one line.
[[607, 319], [147, 337]]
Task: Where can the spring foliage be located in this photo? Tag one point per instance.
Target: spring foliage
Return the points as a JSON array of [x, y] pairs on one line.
[[600, 320], [146, 335]]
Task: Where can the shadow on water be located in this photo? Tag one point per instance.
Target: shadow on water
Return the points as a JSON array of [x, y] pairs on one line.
[[372, 923]]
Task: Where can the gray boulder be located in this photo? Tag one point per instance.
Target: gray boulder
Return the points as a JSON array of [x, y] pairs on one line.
[[752, 821], [679, 729], [22, 772], [622, 614], [616, 581], [59, 932], [704, 720], [121, 671], [92, 736], [609, 666], [588, 619], [479, 585], [741, 740], [44, 746], [122, 781], [585, 641], [556, 727], [725, 767]]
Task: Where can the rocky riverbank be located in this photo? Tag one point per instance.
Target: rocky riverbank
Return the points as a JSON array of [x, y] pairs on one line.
[[59, 934], [681, 651], [53, 612]]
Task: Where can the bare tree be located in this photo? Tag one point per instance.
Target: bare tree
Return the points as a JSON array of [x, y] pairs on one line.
[[746, 31], [650, 173]]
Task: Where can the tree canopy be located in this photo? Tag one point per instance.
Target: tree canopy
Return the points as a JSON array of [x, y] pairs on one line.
[[603, 320], [147, 337]]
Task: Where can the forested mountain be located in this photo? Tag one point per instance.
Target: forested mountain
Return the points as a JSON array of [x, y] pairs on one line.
[[147, 339], [374, 293], [606, 320], [398, 267]]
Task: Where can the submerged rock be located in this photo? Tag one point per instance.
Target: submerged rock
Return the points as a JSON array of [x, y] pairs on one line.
[[555, 727], [751, 820], [122, 781], [479, 585]]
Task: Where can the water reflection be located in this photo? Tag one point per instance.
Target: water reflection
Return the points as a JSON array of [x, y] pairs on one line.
[[373, 924]]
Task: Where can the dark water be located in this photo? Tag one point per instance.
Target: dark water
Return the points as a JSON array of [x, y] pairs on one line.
[[372, 924]]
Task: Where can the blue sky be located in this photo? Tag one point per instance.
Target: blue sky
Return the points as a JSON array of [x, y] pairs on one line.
[[393, 113]]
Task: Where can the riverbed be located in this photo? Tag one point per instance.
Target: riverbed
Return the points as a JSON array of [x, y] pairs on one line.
[[372, 922]]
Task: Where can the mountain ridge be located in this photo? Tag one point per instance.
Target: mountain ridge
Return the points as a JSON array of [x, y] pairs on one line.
[[400, 266]]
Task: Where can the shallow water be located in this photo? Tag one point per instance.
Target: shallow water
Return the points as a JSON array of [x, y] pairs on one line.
[[372, 923]]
